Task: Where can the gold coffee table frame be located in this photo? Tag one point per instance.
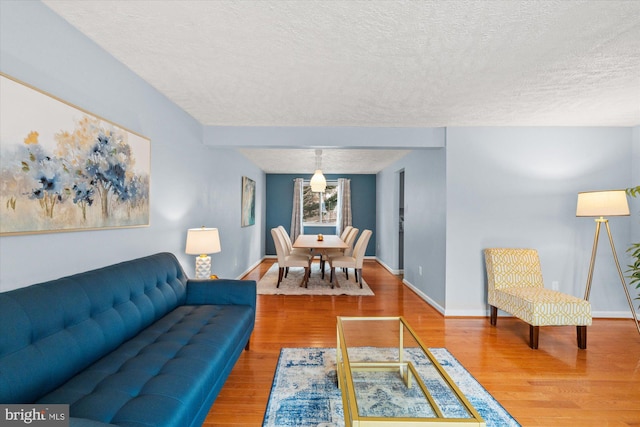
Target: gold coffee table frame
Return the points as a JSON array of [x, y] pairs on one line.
[[345, 368]]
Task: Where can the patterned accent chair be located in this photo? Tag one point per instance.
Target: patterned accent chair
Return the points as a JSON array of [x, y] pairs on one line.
[[515, 285]]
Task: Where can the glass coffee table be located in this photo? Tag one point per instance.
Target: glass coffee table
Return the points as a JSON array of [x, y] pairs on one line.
[[388, 377]]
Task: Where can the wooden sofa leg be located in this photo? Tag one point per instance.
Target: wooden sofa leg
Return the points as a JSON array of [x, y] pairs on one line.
[[246, 347], [534, 331], [582, 337], [494, 315]]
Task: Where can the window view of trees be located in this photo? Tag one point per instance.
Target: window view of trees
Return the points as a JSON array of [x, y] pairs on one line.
[[320, 208]]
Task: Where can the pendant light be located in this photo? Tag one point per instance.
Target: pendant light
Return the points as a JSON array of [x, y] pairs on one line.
[[318, 182]]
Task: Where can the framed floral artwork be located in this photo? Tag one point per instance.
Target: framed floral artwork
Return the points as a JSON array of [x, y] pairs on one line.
[[65, 169]]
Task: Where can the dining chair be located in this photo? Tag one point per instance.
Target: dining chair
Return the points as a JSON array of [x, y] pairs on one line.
[[355, 260], [286, 259], [292, 250], [350, 240]]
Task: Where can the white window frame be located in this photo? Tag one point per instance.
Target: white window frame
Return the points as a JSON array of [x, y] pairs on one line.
[[305, 184]]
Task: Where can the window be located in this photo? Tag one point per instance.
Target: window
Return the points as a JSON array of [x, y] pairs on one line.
[[320, 208]]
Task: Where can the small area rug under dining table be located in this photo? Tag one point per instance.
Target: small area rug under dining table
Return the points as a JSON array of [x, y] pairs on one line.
[[305, 393], [316, 286]]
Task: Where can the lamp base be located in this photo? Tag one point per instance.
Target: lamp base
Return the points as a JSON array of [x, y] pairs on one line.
[[203, 267]]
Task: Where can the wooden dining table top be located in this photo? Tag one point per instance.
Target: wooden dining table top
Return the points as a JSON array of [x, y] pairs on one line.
[[310, 241]]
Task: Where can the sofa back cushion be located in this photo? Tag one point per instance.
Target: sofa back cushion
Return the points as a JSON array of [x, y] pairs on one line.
[[53, 330]]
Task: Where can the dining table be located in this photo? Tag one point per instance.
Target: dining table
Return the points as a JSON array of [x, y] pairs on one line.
[[315, 245], [328, 242]]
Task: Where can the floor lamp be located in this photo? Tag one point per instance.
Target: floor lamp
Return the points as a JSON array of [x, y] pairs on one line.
[[600, 204]]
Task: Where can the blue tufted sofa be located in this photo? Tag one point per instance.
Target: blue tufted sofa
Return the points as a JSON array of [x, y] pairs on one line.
[[133, 344]]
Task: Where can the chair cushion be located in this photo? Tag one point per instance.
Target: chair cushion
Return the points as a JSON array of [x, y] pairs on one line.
[[295, 261], [543, 307], [343, 262]]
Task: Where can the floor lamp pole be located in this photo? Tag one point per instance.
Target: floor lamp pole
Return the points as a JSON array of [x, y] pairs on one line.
[[599, 221]]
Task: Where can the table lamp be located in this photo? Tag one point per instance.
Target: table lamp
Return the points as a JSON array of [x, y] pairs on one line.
[[600, 204], [203, 241]]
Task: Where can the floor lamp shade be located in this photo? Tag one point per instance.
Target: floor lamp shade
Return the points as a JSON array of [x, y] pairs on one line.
[[602, 203], [203, 241]]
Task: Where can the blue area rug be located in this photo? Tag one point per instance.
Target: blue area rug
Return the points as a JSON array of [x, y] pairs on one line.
[[305, 392]]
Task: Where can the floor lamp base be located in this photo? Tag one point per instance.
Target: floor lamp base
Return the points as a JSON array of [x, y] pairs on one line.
[[599, 221]]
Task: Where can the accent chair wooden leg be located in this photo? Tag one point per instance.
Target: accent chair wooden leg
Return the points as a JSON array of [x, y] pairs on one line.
[[280, 274], [582, 337], [346, 273], [286, 271], [534, 331], [358, 273], [494, 315]]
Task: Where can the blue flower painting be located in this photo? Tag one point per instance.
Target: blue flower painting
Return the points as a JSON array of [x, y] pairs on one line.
[[63, 169]]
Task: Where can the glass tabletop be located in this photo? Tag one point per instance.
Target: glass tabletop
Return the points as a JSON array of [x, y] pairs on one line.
[[387, 375]]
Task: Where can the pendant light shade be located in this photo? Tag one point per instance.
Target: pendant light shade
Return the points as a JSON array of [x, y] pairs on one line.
[[318, 182]]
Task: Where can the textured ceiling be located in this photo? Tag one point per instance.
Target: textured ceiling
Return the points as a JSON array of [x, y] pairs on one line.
[[333, 161], [379, 63]]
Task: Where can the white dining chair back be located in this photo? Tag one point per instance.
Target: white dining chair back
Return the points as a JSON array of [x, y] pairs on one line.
[[345, 232], [286, 259], [287, 242], [285, 237], [360, 249], [351, 240], [281, 247]]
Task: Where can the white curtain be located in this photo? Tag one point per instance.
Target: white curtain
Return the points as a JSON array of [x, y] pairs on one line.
[[296, 212], [344, 208]]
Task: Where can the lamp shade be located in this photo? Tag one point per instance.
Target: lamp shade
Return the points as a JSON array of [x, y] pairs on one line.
[[602, 203], [318, 182], [202, 241]]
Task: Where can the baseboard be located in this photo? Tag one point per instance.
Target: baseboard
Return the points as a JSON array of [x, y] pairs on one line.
[[257, 263], [613, 314], [425, 297], [486, 312], [389, 269]]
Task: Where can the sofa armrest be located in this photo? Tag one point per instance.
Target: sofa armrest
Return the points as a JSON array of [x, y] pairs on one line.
[[222, 291]]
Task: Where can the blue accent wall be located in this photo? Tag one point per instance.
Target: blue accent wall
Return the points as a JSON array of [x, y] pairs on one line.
[[279, 202]]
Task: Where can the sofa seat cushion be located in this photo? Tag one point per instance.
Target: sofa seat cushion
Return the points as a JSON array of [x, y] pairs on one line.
[[543, 307], [163, 375]]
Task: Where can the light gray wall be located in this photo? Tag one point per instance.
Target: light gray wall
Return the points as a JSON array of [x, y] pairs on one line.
[[191, 184], [517, 187], [509, 187], [425, 221]]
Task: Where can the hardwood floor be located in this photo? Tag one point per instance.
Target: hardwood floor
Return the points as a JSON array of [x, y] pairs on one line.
[[556, 385]]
